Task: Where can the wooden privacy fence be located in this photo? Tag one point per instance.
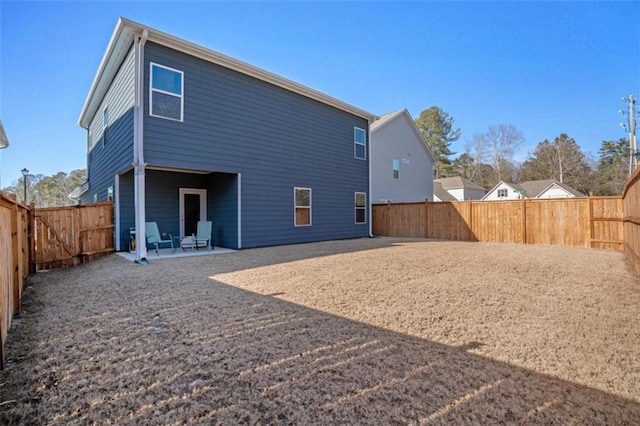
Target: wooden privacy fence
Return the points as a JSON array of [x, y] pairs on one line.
[[68, 236], [631, 206], [35, 239], [595, 222], [15, 252]]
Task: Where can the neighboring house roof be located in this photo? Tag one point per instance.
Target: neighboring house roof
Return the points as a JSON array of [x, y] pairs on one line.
[[127, 31], [389, 117], [457, 182], [534, 188], [441, 193], [78, 191]]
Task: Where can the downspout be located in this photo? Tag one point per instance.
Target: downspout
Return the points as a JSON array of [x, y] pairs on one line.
[[369, 204], [138, 151]]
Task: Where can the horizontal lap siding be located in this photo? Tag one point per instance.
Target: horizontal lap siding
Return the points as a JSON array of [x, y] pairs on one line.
[[222, 207], [127, 208], [276, 139], [111, 149]]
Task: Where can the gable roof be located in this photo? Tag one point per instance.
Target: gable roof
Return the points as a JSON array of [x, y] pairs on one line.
[[127, 31], [458, 182], [441, 193], [510, 185], [534, 188], [391, 116]]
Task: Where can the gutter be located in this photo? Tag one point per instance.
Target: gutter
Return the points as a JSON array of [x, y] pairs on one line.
[[138, 152]]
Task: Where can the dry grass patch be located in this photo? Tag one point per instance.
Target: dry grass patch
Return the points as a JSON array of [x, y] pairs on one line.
[[365, 331]]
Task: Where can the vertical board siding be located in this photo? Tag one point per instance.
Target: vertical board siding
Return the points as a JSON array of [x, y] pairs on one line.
[[580, 222], [631, 208], [276, 139]]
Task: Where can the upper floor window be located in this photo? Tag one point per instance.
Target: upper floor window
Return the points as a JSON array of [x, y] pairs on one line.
[[360, 143], [166, 98], [396, 169], [503, 193]]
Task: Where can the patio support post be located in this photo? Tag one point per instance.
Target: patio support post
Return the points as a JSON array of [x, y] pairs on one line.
[[138, 152]]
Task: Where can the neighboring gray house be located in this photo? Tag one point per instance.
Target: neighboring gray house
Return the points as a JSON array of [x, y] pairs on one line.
[[401, 161], [459, 188], [178, 133], [546, 188]]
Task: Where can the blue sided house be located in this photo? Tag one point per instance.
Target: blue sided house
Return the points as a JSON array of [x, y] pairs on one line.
[[178, 133]]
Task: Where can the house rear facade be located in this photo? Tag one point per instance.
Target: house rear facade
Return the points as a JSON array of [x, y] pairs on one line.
[[178, 133]]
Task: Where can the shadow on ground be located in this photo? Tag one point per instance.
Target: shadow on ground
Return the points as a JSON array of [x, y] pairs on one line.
[[113, 342]]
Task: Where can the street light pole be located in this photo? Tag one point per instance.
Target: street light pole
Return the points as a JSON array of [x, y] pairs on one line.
[[25, 172]]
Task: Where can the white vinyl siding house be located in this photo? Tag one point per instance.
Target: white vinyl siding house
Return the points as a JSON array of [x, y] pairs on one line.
[[546, 188], [502, 192], [401, 161]]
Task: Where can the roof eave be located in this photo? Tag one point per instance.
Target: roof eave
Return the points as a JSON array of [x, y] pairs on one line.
[[125, 32]]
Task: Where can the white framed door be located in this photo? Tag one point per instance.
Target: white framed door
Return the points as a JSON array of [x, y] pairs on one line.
[[193, 208]]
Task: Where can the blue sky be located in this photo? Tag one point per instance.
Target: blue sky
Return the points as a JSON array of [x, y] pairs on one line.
[[545, 67]]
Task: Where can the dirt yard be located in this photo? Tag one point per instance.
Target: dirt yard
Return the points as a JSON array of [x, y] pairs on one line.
[[370, 331]]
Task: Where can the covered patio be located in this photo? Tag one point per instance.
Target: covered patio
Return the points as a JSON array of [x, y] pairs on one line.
[[169, 253]]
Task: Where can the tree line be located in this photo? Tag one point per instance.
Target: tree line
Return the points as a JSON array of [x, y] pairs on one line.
[[488, 157], [48, 191]]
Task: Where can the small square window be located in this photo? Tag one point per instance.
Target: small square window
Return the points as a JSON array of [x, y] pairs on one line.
[[396, 169], [360, 143], [503, 193], [302, 206], [360, 201]]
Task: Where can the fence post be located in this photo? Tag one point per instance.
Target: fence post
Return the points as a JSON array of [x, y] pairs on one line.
[[426, 218], [15, 260], [472, 232], [77, 227], [590, 219], [387, 219], [31, 237], [524, 220]]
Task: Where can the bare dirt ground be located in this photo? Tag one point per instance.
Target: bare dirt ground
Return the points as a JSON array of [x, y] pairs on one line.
[[370, 331]]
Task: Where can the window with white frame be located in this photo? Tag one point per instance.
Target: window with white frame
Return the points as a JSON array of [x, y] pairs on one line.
[[166, 98], [396, 169], [360, 200], [302, 202], [359, 143], [503, 193]]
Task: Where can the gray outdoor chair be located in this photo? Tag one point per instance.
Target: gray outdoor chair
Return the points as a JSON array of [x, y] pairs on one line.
[[153, 236]]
